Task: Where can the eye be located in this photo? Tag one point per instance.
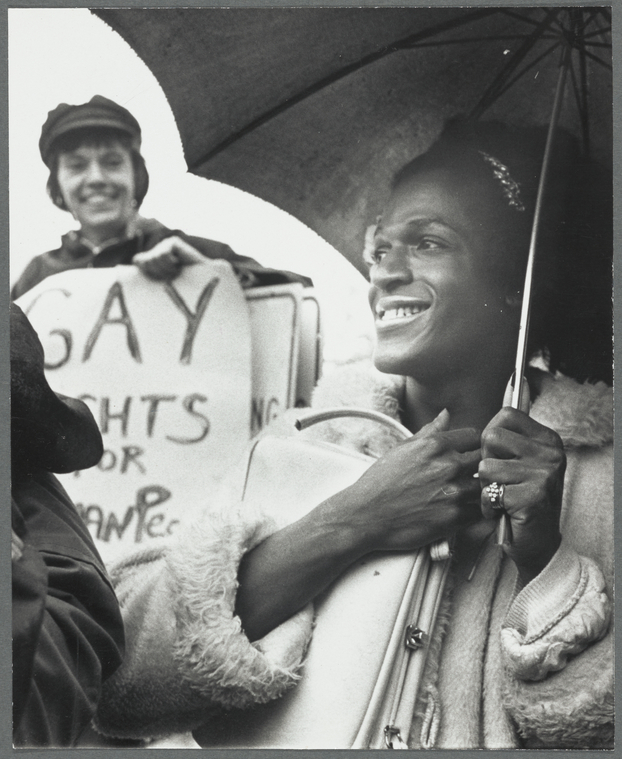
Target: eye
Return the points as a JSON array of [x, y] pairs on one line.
[[373, 255], [74, 164], [113, 161], [429, 243]]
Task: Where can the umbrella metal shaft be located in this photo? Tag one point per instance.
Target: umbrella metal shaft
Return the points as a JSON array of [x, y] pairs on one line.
[[523, 329], [503, 531]]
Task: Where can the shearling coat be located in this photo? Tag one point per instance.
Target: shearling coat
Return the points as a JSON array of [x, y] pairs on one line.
[[510, 666]]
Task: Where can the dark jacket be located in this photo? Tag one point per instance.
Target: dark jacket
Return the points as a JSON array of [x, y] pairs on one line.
[[67, 628], [74, 254]]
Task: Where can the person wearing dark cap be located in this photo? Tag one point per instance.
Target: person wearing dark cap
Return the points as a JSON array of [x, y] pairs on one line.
[[67, 629], [98, 174]]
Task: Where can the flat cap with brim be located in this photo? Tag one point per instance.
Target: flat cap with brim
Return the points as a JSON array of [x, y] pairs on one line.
[[98, 113]]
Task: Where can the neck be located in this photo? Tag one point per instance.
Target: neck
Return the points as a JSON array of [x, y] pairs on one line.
[[99, 237], [472, 401]]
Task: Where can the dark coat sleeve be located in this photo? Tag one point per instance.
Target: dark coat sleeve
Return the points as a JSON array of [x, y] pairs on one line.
[[73, 255], [67, 628], [251, 273]]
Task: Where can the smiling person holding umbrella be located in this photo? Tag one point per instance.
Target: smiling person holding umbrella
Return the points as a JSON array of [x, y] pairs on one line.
[[520, 656]]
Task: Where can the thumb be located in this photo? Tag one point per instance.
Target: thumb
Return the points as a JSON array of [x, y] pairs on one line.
[[439, 424], [186, 254]]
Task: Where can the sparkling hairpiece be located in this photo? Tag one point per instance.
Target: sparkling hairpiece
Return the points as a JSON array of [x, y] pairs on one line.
[[510, 188]]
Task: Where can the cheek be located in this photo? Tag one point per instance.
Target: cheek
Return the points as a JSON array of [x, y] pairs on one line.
[[67, 186], [126, 179], [470, 298]]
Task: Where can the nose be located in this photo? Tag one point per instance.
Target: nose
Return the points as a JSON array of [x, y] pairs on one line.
[[392, 270], [94, 173]]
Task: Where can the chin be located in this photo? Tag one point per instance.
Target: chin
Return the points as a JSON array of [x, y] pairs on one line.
[[390, 364], [107, 220], [427, 367]]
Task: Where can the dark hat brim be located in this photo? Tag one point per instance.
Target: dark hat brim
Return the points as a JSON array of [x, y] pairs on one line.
[[48, 430], [98, 113]]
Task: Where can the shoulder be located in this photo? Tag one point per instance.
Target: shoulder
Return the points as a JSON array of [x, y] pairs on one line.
[[53, 523], [36, 270], [70, 254], [153, 231]]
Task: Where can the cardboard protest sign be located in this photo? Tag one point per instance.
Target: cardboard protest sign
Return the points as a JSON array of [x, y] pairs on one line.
[[310, 351], [166, 371], [275, 326], [286, 349]]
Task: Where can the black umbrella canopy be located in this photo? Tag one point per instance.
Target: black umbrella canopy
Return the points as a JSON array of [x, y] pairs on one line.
[[313, 109]]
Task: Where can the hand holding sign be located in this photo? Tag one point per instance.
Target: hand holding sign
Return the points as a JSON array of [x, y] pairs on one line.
[[167, 258]]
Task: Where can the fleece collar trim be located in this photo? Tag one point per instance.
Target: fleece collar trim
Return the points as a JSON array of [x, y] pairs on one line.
[[581, 414]]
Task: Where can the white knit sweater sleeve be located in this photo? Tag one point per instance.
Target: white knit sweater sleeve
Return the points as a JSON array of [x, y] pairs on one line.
[[557, 615]]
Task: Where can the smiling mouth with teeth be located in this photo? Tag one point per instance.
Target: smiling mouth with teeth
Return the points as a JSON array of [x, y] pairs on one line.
[[392, 314]]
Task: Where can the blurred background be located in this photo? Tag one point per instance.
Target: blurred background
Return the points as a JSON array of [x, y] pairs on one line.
[[68, 55]]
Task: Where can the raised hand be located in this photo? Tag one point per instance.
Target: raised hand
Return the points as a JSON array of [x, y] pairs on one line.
[[166, 259], [419, 492]]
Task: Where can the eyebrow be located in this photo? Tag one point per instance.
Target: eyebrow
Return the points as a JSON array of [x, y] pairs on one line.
[[87, 146], [421, 223]]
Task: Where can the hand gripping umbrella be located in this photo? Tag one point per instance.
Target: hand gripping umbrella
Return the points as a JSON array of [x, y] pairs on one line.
[[314, 109]]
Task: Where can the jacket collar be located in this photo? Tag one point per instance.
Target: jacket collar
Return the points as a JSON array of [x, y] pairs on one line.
[[581, 414], [78, 247]]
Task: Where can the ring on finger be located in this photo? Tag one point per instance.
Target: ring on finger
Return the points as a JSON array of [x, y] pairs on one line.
[[495, 493]]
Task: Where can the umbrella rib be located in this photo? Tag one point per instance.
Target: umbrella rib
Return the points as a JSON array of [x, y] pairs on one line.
[[592, 20], [606, 13], [463, 40], [590, 16], [559, 25], [489, 97], [579, 40], [596, 59], [597, 33], [603, 32], [511, 82], [340, 74], [581, 101], [583, 110], [514, 14]]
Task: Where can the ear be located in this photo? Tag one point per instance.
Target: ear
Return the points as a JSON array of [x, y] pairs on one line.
[[514, 299], [59, 202]]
